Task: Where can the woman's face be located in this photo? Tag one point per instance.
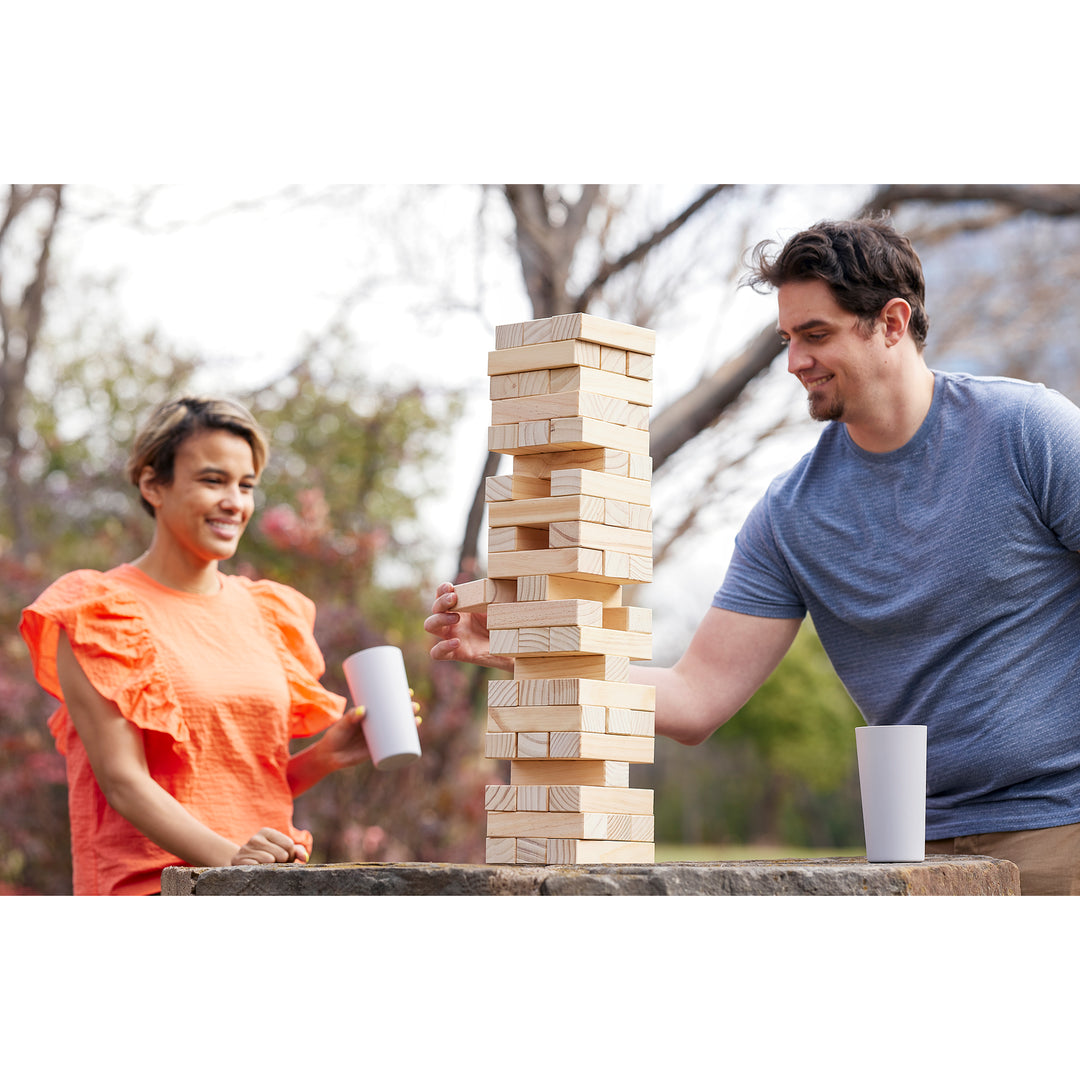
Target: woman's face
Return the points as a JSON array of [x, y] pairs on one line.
[[207, 506]]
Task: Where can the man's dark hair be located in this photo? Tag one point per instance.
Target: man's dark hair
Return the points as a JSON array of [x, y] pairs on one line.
[[865, 263]]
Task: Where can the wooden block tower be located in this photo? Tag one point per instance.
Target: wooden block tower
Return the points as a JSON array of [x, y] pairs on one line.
[[567, 530]]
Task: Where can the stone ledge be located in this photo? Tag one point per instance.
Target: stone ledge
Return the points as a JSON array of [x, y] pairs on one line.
[[939, 875]]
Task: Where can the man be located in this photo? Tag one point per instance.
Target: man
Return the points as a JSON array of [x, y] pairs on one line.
[[932, 536]]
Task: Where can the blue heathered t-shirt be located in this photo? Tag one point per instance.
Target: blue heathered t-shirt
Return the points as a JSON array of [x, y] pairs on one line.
[[944, 582]]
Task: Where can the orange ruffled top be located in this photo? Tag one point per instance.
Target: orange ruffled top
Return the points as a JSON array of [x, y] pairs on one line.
[[218, 684]]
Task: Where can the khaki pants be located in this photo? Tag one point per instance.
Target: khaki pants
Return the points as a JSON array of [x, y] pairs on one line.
[[1049, 859]]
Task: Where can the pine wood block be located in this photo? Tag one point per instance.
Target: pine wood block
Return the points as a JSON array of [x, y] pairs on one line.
[[474, 596], [584, 852], [599, 459], [526, 640], [639, 466], [571, 403], [622, 566], [501, 797], [639, 365], [502, 744], [639, 517], [616, 514], [533, 587], [539, 356], [604, 800], [532, 797], [502, 849], [590, 534], [599, 485], [531, 850], [546, 613], [595, 639], [585, 744], [582, 692], [533, 744], [548, 718], [569, 562], [517, 538], [585, 431], [505, 486], [502, 693], [555, 825], [637, 391], [637, 620], [593, 666], [604, 774], [520, 384], [631, 722], [583, 326], [543, 511], [612, 360]]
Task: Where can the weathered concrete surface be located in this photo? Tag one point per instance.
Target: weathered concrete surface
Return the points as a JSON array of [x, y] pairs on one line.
[[939, 875]]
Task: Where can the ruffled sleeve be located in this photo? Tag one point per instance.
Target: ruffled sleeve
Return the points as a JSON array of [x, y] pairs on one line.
[[291, 618], [113, 645]]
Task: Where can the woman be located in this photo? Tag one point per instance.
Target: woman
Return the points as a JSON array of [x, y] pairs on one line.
[[181, 686]]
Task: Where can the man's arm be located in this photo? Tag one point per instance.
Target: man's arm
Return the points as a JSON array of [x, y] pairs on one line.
[[729, 657]]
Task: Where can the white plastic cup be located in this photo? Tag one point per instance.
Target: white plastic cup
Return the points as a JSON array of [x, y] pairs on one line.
[[892, 780], [377, 680]]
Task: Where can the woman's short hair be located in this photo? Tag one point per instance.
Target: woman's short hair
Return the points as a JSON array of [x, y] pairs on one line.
[[865, 263], [173, 422]]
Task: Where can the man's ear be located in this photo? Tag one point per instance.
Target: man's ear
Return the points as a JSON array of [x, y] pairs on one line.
[[896, 315], [148, 487]]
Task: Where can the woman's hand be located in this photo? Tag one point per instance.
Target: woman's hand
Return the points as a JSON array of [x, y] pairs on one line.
[[463, 635], [269, 846]]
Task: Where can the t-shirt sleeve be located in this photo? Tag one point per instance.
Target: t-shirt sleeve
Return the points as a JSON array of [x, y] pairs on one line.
[[291, 617], [1051, 456], [758, 581], [113, 646]]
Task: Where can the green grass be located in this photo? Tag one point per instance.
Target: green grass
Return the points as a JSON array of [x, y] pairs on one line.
[[728, 852]]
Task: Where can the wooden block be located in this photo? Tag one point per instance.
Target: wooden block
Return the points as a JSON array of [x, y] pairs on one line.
[[531, 850], [583, 326], [605, 800], [639, 466], [539, 356], [548, 718], [599, 485], [640, 517], [584, 744], [531, 587], [612, 360], [475, 596], [554, 825], [579, 432], [543, 511], [501, 744], [592, 666], [533, 797], [631, 722], [516, 538], [616, 514], [595, 639], [500, 797], [502, 693], [520, 384], [534, 744], [505, 486], [637, 391], [562, 852], [583, 692], [606, 774], [637, 620], [599, 459], [624, 567], [546, 613], [509, 335], [568, 404], [502, 849], [590, 534], [570, 562], [639, 365]]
